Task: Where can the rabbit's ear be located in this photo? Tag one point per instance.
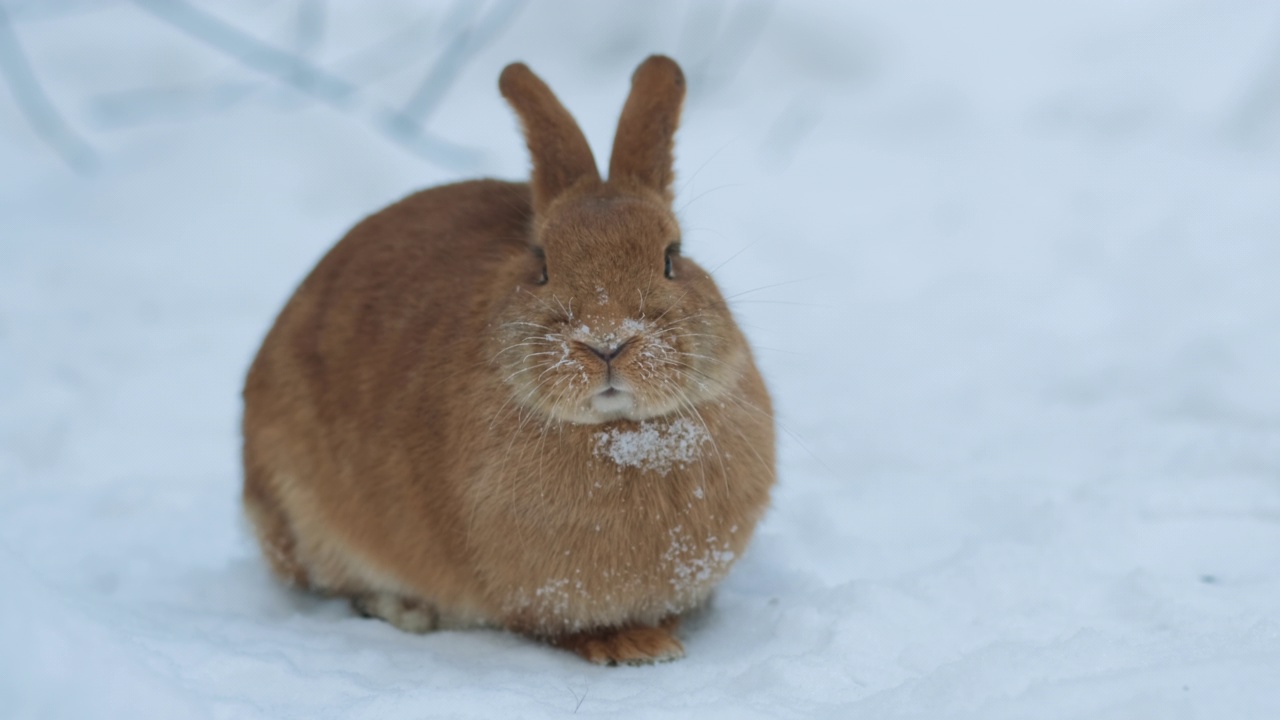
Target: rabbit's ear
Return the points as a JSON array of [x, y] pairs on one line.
[[561, 156], [642, 149]]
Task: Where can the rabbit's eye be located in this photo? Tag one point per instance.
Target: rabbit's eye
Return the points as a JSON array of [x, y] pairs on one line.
[[542, 258], [670, 271]]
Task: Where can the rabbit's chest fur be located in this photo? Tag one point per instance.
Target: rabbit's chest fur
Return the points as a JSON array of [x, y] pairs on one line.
[[617, 522]]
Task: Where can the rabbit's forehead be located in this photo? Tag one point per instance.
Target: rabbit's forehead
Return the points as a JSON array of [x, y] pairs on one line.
[[595, 225]]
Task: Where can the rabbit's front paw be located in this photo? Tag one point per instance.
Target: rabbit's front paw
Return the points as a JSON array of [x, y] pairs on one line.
[[630, 645], [407, 614]]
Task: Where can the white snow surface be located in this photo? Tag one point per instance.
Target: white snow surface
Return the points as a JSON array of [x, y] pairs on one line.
[[1011, 269]]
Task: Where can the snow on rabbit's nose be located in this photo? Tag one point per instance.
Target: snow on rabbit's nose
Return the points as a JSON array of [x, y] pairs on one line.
[[605, 351], [608, 340]]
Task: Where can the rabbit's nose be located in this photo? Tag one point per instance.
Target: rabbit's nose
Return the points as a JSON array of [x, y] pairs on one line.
[[606, 351]]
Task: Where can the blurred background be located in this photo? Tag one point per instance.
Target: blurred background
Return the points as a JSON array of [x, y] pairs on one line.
[[1011, 270]]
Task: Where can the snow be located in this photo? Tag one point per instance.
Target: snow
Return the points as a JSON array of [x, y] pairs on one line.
[[691, 570], [1009, 269], [653, 446]]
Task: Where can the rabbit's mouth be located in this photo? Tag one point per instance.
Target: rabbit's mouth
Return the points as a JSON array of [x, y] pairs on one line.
[[613, 402]]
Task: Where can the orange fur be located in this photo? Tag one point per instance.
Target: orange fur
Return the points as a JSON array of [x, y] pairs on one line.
[[561, 156], [436, 433], [646, 134]]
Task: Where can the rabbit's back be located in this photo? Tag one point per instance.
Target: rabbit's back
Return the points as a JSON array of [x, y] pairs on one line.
[[349, 397]]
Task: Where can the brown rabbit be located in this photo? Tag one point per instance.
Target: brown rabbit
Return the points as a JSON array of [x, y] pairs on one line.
[[511, 405]]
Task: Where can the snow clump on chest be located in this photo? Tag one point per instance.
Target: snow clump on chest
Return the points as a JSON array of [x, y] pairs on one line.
[[653, 446]]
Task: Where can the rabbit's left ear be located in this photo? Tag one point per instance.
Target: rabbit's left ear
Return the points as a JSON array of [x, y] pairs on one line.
[[561, 156], [642, 148]]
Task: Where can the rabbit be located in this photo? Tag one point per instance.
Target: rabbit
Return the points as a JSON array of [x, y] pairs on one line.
[[517, 406]]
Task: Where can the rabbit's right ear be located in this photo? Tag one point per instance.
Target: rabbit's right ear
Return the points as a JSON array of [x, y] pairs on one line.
[[642, 148], [561, 156]]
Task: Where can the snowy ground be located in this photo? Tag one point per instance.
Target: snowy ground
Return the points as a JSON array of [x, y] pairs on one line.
[[1027, 354]]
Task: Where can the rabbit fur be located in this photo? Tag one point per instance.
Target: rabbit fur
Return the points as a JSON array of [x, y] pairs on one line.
[[516, 405]]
